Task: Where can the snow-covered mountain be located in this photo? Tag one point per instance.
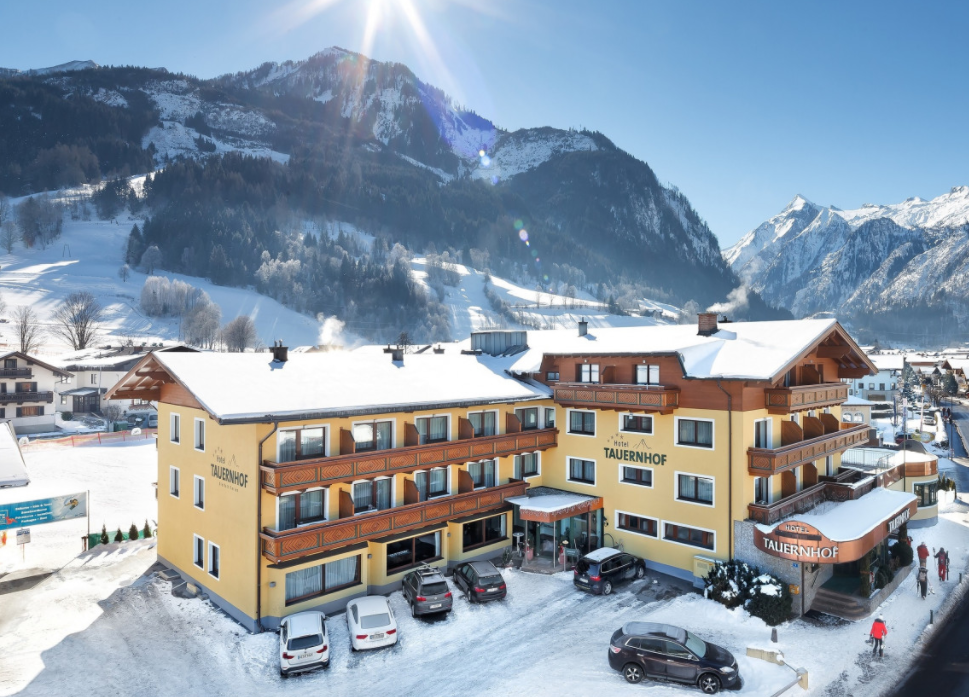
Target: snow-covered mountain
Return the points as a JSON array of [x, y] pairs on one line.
[[70, 66], [875, 264]]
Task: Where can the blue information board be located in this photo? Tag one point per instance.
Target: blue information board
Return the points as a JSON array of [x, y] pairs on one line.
[[19, 515]]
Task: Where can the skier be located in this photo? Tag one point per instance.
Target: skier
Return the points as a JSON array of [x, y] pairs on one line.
[[878, 633], [923, 553], [943, 558], [923, 581]]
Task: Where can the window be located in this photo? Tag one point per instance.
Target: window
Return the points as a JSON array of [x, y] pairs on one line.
[[324, 578], [694, 433], [483, 532], [582, 423], [22, 387], [689, 536], [582, 471], [871, 385], [829, 466], [94, 379], [174, 481], [762, 434], [301, 443], [174, 428], [406, 553], [432, 429], [199, 496], [762, 490], [637, 524], [641, 476], [483, 474], [302, 508], [694, 489], [438, 482], [377, 435], [551, 376], [214, 566], [647, 374], [589, 372], [30, 411], [10, 363], [526, 465], [372, 495], [634, 423], [198, 551], [63, 400], [549, 418], [927, 493], [484, 423], [881, 386], [200, 435], [528, 418]]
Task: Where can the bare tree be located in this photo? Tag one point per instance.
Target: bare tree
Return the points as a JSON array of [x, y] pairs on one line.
[[239, 334], [200, 323], [151, 259], [77, 319], [124, 273], [27, 328], [112, 412], [9, 235]]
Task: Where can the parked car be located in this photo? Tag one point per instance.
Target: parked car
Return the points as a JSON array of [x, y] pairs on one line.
[[902, 436], [661, 651], [480, 581], [929, 420], [426, 591], [303, 643], [371, 623], [600, 570], [153, 421]]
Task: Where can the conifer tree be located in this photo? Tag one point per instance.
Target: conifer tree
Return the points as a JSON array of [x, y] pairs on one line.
[[104, 535], [133, 532]]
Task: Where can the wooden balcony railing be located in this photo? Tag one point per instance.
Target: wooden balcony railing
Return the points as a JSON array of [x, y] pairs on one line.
[[16, 373], [279, 478], [658, 398], [313, 539], [21, 397], [806, 499], [785, 400], [764, 462]]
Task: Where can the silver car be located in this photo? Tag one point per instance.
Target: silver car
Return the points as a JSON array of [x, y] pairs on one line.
[[427, 592], [303, 643]]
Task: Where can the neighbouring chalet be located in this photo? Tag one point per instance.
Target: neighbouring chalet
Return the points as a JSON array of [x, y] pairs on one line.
[[27, 389], [687, 444]]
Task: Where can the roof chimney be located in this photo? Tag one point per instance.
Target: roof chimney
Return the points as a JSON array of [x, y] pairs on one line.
[[280, 352], [397, 355], [707, 323], [583, 327]]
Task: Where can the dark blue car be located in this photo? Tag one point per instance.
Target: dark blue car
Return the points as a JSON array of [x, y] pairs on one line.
[[600, 570]]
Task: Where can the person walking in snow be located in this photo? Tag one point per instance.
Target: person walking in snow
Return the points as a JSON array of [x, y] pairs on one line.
[[923, 553], [923, 581], [942, 557], [878, 633]]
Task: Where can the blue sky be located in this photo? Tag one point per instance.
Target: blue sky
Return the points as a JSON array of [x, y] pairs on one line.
[[741, 105]]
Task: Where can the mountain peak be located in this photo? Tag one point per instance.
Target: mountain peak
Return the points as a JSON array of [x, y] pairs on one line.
[[798, 203]]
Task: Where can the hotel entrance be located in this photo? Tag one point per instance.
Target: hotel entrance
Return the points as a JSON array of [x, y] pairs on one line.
[[549, 520]]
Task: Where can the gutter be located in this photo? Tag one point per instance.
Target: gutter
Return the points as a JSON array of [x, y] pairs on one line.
[[258, 529], [729, 468]]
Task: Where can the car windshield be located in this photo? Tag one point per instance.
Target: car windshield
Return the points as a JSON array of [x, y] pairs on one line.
[[304, 642], [585, 567], [696, 645], [434, 588], [491, 580], [371, 621]]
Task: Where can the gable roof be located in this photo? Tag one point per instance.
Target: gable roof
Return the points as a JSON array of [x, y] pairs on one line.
[[37, 361]]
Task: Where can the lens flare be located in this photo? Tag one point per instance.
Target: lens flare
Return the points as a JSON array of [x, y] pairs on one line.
[[481, 153], [523, 235], [519, 224]]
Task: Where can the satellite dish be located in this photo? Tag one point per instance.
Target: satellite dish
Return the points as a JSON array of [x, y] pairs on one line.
[[136, 431], [24, 440]]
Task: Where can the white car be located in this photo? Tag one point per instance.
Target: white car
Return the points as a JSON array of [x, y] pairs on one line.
[[303, 643], [371, 623]]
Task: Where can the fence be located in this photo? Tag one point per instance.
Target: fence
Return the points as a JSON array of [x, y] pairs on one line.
[[78, 439]]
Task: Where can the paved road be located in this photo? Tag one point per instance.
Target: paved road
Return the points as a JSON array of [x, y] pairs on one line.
[[943, 668]]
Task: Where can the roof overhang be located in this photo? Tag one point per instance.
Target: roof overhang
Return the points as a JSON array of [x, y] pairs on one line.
[[837, 345]]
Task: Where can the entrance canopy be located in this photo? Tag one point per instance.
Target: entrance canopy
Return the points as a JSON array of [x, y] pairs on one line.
[[836, 533], [544, 504], [82, 391]]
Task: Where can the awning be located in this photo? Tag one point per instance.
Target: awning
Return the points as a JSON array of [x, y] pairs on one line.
[[544, 504], [82, 392]]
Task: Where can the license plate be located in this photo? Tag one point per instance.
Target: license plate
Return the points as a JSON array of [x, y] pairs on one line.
[[304, 656], [492, 590], [584, 579], [436, 606], [375, 637]]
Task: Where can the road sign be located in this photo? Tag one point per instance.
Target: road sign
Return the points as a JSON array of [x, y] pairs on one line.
[[16, 515], [23, 536]]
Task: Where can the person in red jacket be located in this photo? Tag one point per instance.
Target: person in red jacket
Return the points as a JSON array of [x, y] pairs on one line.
[[878, 633], [923, 553], [943, 558]]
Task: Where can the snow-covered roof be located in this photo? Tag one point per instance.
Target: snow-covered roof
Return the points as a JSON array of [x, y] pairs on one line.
[[739, 350], [549, 504], [856, 401], [118, 357], [250, 386], [13, 470], [892, 361], [851, 520], [601, 553]]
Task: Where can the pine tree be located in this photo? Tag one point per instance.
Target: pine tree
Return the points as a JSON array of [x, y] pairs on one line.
[[133, 532], [104, 535], [118, 537], [146, 531]]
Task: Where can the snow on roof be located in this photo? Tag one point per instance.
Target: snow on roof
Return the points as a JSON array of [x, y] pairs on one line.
[[851, 520], [601, 553], [740, 350], [305, 623], [371, 604], [888, 361], [239, 386], [550, 503], [856, 401], [13, 470]]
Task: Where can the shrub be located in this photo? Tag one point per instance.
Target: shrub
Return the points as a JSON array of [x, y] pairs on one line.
[[883, 576], [736, 583], [133, 532], [772, 602], [146, 531], [902, 551], [729, 583], [118, 537], [104, 535], [67, 415]]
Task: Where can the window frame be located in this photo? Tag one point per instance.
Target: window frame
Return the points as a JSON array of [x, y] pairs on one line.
[[582, 370], [676, 434], [652, 423], [584, 434], [650, 367], [358, 578], [439, 544], [198, 563], [552, 376], [34, 411], [195, 491], [770, 491], [696, 502], [519, 469], [656, 522], [521, 421], [174, 476], [447, 482], [298, 430], [623, 480], [663, 536], [195, 434], [581, 482], [496, 412], [545, 422], [373, 494], [484, 541], [374, 422], [175, 428], [933, 486], [218, 565], [297, 495], [476, 487], [447, 430], [770, 432]]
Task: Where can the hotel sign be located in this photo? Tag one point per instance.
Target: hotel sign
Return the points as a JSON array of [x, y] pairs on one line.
[[625, 449], [798, 542], [226, 472], [897, 522]]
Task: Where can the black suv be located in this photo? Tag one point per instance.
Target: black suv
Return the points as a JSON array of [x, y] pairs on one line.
[[480, 581], [427, 591], [599, 570], [664, 652]]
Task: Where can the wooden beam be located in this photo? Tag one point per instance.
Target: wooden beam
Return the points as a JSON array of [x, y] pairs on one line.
[[833, 351]]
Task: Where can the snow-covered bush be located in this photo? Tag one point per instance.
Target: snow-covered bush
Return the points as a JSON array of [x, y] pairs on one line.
[[736, 583]]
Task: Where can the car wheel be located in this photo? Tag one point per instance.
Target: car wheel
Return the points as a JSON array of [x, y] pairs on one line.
[[606, 588], [413, 610], [633, 673], [709, 683], [283, 675], [640, 571]]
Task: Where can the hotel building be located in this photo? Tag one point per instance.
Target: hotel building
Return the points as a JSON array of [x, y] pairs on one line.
[[295, 482]]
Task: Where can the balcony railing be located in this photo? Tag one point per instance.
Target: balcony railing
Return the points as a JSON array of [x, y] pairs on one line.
[[16, 373], [764, 462], [803, 501], [659, 398], [313, 539], [785, 400], [279, 478], [21, 397]]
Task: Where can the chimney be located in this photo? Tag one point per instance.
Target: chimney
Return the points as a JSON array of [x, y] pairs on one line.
[[707, 323], [280, 352], [397, 355], [583, 327]]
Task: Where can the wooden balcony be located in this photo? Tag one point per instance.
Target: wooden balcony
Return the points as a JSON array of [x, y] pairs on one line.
[[764, 462], [658, 398], [278, 478], [21, 397], [806, 499], [16, 373], [785, 400], [313, 539]]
